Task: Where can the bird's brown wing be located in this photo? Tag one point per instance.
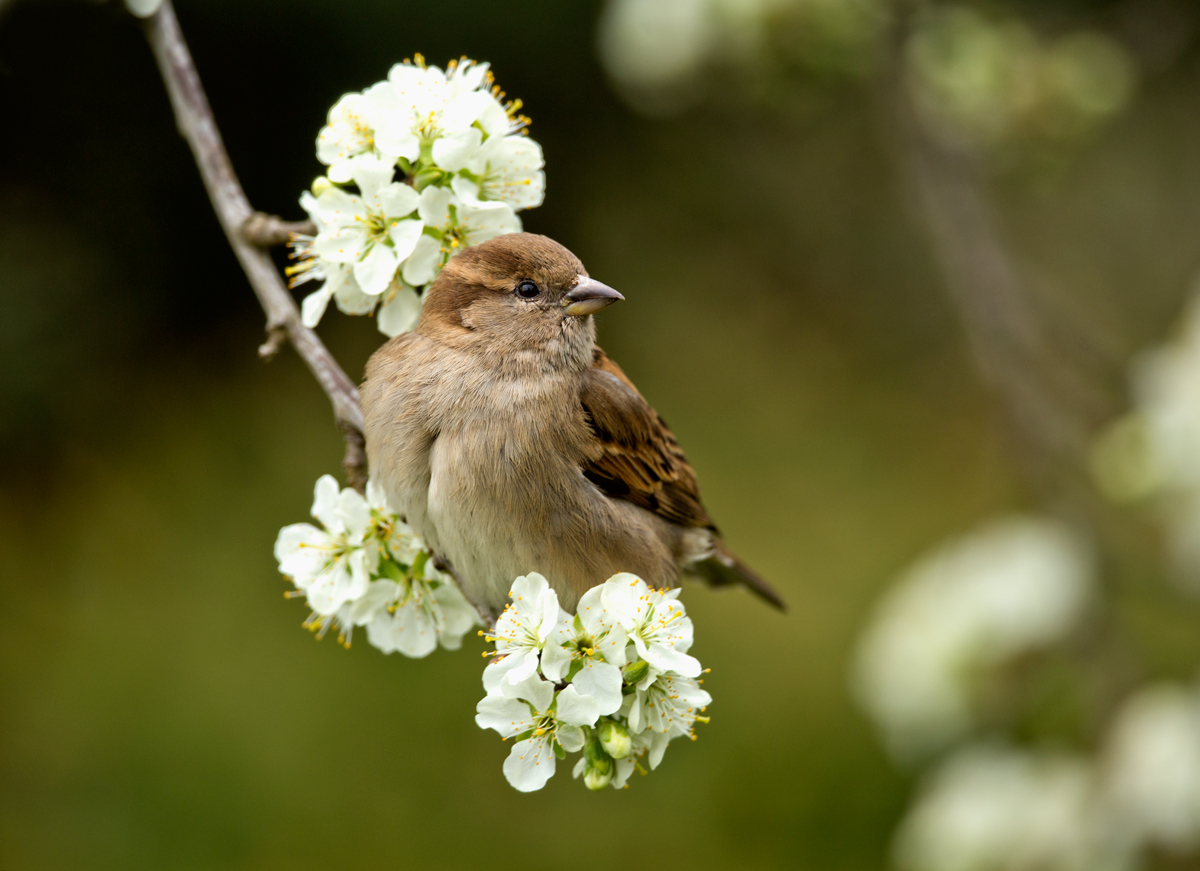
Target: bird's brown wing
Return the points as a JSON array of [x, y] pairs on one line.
[[636, 457]]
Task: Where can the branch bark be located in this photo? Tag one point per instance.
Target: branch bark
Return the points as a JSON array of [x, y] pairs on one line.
[[268, 231], [1050, 404], [247, 231]]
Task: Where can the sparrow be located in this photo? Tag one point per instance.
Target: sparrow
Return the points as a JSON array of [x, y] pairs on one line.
[[511, 443]]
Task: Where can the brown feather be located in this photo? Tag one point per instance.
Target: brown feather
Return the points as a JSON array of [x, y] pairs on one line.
[[637, 457]]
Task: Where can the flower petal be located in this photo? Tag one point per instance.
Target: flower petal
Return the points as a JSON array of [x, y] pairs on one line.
[[466, 190], [376, 270], [353, 511], [350, 298], [453, 151], [314, 305], [302, 551], [556, 661], [366, 607], [576, 709], [400, 313], [344, 245], [461, 113], [399, 200], [339, 209], [421, 266], [458, 617], [530, 764], [570, 737], [601, 682], [324, 507], [508, 717], [372, 175], [435, 206], [404, 236]]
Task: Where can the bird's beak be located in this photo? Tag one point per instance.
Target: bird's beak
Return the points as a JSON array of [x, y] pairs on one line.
[[588, 296]]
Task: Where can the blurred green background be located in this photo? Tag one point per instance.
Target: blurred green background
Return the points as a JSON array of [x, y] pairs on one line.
[[163, 708]]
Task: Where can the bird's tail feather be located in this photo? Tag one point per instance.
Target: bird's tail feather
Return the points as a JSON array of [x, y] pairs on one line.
[[723, 569]]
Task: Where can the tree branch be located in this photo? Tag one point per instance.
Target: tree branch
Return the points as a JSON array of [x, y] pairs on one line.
[[247, 230], [1050, 404], [249, 234], [268, 231]]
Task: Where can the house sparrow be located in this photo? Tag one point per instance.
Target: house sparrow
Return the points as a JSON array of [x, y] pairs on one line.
[[511, 443]]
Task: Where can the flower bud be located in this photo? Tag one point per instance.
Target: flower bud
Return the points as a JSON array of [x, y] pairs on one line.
[[595, 779], [636, 671], [320, 185], [615, 739], [596, 755], [427, 176]]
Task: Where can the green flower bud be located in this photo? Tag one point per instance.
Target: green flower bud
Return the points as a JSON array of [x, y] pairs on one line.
[[636, 671], [427, 176], [320, 185], [595, 779], [596, 756], [614, 738]]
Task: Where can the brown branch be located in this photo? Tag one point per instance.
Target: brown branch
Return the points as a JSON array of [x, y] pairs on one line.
[[269, 231], [247, 230], [1050, 404], [250, 233]]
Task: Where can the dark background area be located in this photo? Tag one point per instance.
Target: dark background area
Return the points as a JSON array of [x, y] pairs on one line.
[[162, 706]]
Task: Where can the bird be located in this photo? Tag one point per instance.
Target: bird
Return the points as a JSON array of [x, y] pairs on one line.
[[511, 443]]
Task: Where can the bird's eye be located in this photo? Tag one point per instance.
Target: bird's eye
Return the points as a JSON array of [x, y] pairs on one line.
[[528, 290]]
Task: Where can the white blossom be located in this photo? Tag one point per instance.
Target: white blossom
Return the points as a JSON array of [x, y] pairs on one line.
[[421, 166], [1152, 768], [367, 568], [337, 279], [1012, 586], [372, 232], [425, 108], [667, 704], [416, 616], [589, 649], [452, 226], [521, 632], [993, 809], [566, 682], [534, 710], [655, 622], [332, 566], [507, 169], [347, 134]]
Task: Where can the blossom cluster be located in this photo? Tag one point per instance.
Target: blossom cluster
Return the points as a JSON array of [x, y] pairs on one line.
[[658, 51], [420, 166], [614, 680], [960, 613], [365, 567], [993, 81], [1152, 454], [994, 807], [942, 640]]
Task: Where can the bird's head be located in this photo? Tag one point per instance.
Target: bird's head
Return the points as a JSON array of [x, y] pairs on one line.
[[519, 290]]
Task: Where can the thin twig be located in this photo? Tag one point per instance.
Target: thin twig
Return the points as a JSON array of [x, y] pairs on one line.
[[196, 124], [250, 233], [1050, 404], [269, 231]]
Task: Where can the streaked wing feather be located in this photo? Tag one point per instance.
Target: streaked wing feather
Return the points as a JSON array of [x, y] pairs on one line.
[[636, 457]]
